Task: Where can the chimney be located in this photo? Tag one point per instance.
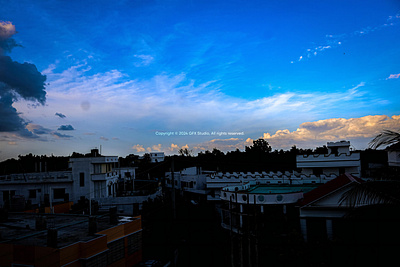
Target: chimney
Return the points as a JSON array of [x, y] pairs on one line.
[[92, 225], [52, 237], [94, 152], [113, 215]]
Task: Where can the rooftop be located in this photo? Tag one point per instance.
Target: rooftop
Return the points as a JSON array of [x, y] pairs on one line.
[[19, 228], [280, 189]]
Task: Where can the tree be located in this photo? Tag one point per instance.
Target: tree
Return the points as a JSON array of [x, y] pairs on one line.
[[373, 192], [376, 192], [386, 137], [185, 152], [259, 145]]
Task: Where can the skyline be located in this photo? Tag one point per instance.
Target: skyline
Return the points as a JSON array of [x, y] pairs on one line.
[[123, 75]]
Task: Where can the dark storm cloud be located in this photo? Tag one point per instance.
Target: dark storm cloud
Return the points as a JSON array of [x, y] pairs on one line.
[[9, 117], [62, 116], [16, 81], [66, 128]]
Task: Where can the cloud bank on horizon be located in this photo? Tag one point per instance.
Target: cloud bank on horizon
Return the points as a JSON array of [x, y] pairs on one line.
[[301, 79], [309, 135]]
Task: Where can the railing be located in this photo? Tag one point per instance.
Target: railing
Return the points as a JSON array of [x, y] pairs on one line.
[[37, 177]]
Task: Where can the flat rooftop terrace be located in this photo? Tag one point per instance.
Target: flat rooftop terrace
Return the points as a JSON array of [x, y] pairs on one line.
[[19, 228], [279, 189]]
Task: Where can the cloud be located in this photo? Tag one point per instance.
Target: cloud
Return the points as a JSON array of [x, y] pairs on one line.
[[38, 129], [333, 41], [104, 138], [229, 144], [154, 148], [63, 136], [138, 148], [393, 76], [66, 128], [145, 60], [16, 81], [62, 116], [168, 102], [335, 129], [7, 30]]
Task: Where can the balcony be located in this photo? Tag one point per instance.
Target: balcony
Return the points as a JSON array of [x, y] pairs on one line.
[[104, 176]]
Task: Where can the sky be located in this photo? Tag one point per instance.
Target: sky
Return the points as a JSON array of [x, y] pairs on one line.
[[141, 75]]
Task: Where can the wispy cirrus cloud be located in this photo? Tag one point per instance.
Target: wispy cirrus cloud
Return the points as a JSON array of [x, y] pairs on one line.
[[170, 101], [143, 60], [335, 40]]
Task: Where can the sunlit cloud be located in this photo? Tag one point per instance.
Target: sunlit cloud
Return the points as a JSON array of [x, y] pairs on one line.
[[393, 76], [138, 148], [335, 129]]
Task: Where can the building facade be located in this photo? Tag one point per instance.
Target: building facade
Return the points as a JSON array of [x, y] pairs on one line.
[[339, 160], [89, 177], [69, 240]]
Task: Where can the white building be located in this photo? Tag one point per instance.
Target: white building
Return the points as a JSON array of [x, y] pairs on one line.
[[190, 180], [321, 210], [90, 177], [156, 157], [94, 177], [339, 160]]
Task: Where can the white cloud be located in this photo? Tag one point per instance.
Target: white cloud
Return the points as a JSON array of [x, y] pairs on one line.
[[145, 60], [393, 76], [364, 128], [138, 148], [172, 103]]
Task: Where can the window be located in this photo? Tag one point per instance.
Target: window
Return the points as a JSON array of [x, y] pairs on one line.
[[100, 260], [342, 170], [32, 193], [134, 242], [116, 251], [82, 179], [58, 193]]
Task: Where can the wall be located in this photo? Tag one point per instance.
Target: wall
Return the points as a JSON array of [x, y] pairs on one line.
[[125, 204]]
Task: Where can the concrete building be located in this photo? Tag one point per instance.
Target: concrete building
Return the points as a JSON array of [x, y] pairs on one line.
[[321, 209], [190, 180], [90, 177], [339, 160], [94, 176], [156, 157], [69, 240]]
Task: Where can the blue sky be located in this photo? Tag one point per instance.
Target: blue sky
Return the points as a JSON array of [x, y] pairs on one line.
[[119, 73]]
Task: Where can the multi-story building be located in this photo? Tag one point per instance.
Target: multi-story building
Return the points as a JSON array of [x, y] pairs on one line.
[[90, 177], [191, 180], [70, 240], [340, 159], [156, 157]]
